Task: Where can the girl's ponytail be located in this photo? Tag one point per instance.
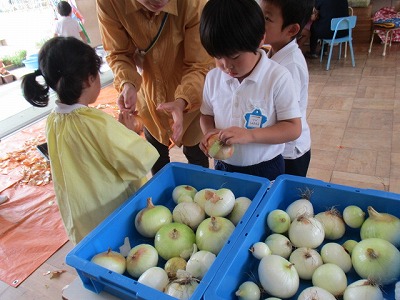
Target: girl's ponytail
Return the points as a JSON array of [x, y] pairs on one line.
[[34, 92]]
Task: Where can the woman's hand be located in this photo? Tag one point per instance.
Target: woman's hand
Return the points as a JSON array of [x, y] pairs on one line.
[[127, 98], [176, 109]]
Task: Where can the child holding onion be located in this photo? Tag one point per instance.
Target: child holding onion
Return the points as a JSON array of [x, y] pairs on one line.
[[249, 100], [96, 162], [284, 20]]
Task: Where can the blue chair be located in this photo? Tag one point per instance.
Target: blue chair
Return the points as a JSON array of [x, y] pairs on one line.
[[345, 23]]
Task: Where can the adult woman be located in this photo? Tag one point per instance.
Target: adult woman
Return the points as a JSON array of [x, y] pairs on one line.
[[159, 65]]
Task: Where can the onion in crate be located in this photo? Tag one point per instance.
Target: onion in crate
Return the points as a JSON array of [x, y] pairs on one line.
[[110, 260]]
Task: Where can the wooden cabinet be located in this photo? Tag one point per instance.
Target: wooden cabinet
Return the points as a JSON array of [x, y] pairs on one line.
[[363, 30]]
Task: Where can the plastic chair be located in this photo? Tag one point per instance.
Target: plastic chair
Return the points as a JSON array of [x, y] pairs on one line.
[[351, 13], [344, 23]]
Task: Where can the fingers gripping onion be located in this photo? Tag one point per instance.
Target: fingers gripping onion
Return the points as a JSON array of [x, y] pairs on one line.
[[276, 272], [381, 225], [377, 260], [150, 219], [306, 231], [217, 149], [363, 289], [111, 260]]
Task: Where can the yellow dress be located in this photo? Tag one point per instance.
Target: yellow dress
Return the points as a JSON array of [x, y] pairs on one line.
[[96, 163]]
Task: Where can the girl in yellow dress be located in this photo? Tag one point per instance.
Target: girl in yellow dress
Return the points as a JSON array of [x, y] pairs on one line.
[[96, 162]]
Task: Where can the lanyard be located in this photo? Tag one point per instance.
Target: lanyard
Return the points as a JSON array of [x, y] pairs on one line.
[[144, 52]]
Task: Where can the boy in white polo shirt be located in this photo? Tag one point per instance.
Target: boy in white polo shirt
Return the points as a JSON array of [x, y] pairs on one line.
[[284, 21], [66, 25], [248, 99]]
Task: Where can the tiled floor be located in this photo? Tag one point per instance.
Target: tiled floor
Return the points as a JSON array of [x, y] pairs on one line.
[[354, 114]]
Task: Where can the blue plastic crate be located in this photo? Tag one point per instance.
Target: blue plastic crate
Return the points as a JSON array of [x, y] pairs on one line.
[[240, 265], [32, 62], [120, 224]]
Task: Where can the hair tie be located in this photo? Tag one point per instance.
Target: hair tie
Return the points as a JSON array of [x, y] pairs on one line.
[[38, 72]]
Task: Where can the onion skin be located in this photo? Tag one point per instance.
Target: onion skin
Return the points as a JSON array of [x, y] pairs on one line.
[[150, 219], [377, 260], [155, 277], [183, 193], [353, 216], [278, 276], [381, 225], [279, 244], [248, 290], [219, 203], [300, 207], [217, 149], [363, 289], [278, 221], [239, 209], [335, 253], [111, 260], [188, 213], [173, 265]]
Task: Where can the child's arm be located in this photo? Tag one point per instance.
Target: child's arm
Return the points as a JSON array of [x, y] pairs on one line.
[[279, 133]]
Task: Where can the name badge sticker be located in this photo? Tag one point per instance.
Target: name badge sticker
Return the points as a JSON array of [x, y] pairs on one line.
[[255, 119]]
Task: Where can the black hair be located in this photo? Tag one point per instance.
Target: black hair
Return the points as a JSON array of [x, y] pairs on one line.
[[65, 64], [294, 11], [228, 27], [64, 8]]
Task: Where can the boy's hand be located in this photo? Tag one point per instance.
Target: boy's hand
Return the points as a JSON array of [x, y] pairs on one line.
[[131, 120]]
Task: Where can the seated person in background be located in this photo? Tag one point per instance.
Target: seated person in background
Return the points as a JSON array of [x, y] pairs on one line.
[[304, 38], [66, 26], [321, 28]]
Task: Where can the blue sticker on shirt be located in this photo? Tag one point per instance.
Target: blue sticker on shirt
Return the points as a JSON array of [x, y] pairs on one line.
[[255, 119]]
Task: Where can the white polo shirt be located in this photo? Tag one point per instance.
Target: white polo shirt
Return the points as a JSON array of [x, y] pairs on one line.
[[260, 100], [293, 59], [67, 26]]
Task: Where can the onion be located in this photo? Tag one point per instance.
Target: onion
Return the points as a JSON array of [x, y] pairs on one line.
[[381, 225], [219, 203], [155, 277], [199, 263], [334, 226], [336, 254], [278, 221], [260, 249], [217, 149], [213, 233], [363, 289], [306, 231], [150, 219], [248, 290], [278, 276], [301, 206], [173, 265], [331, 278], [183, 193], [306, 261], [239, 209], [110, 260], [189, 213], [183, 287], [200, 197], [353, 216], [349, 245], [174, 239], [141, 258], [316, 293], [279, 245], [377, 260]]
